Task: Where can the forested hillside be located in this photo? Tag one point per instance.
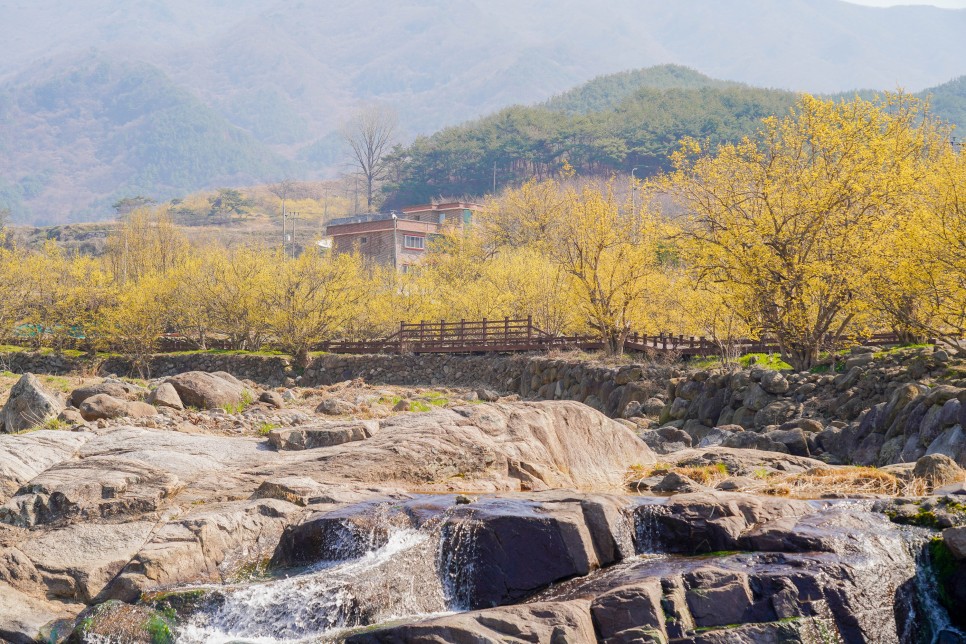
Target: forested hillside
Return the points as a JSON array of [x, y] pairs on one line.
[[614, 123], [101, 130], [611, 124]]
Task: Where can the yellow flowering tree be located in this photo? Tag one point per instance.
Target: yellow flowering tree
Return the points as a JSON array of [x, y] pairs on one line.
[[794, 223]]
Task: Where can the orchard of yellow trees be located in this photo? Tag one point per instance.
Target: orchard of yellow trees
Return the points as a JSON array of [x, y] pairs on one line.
[[839, 219]]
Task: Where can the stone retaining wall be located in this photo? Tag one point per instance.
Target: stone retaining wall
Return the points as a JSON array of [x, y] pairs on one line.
[[608, 389], [265, 370]]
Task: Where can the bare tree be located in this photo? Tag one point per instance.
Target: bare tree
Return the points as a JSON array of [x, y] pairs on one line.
[[370, 134], [4, 219]]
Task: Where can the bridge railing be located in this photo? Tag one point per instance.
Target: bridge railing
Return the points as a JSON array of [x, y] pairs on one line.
[[520, 334]]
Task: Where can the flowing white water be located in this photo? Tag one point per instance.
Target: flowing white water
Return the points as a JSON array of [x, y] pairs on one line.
[[396, 580]]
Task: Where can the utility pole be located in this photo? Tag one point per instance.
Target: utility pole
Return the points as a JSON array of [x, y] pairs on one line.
[[295, 217], [283, 226], [395, 241]]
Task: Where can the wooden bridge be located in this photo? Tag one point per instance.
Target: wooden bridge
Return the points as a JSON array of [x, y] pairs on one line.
[[520, 335]]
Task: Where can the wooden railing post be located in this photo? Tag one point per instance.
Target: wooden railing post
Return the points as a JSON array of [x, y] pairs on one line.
[[462, 332], [484, 332], [529, 331], [422, 331], [506, 330]]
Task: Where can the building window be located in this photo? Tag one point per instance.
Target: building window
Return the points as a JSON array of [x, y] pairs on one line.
[[363, 240], [414, 242]]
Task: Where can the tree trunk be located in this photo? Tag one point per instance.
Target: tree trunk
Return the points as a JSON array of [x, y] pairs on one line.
[[614, 340], [302, 359], [801, 357]]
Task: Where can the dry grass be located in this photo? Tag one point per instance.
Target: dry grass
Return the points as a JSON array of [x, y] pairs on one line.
[[815, 483], [709, 475], [822, 481]]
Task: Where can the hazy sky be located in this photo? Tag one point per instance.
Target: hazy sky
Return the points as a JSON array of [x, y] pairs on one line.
[[948, 4]]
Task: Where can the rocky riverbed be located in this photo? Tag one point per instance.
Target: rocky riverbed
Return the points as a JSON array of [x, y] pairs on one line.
[[202, 508]]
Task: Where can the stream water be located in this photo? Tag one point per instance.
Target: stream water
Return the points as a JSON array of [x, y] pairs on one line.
[[408, 574], [387, 583]]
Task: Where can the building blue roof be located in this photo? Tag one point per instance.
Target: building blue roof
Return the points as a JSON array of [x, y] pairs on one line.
[[362, 219]]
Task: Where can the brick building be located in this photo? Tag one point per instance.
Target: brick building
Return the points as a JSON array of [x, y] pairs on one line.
[[400, 238]]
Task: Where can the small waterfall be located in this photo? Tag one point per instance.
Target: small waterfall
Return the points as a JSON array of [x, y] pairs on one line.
[[396, 579], [647, 528], [455, 558], [929, 621]]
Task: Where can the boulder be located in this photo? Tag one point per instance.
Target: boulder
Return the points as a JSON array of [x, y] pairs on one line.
[[712, 521], [521, 546], [745, 462], [652, 407], [631, 613], [336, 407], [29, 405], [352, 530], [859, 360], [165, 395], [550, 622], [22, 616], [719, 435], [805, 424], [955, 539], [303, 491], [208, 545], [77, 561], [777, 412], [115, 621], [487, 395], [103, 406], [751, 440], [487, 447], [115, 388], [272, 398], [938, 470], [71, 417], [326, 435], [951, 442], [756, 398], [209, 391], [666, 439], [737, 484], [793, 440], [675, 483], [127, 472], [774, 382], [25, 456]]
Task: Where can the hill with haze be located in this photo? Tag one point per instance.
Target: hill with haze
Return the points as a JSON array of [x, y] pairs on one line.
[[103, 98]]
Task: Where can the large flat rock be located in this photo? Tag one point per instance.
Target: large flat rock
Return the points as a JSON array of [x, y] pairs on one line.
[[206, 546], [130, 472], [76, 562], [24, 456], [488, 447]]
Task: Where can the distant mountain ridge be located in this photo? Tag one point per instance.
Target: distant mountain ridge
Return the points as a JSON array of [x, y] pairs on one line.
[[260, 86]]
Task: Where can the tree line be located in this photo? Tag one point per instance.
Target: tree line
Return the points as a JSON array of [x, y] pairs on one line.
[[518, 143], [840, 219]]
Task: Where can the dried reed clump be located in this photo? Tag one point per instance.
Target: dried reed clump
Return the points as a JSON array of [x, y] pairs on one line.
[[814, 483], [709, 475]]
